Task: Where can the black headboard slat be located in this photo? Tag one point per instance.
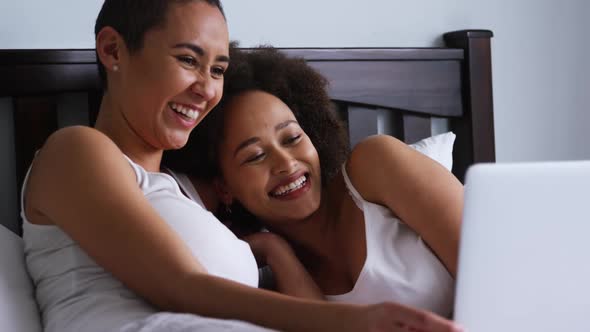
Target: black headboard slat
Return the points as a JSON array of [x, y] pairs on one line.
[[35, 118], [375, 54], [35, 79], [416, 127], [41, 57]]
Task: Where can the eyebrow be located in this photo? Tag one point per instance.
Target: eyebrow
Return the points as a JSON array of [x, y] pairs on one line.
[[199, 50], [253, 140]]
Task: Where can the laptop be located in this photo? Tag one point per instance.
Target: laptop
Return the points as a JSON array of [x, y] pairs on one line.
[[524, 262]]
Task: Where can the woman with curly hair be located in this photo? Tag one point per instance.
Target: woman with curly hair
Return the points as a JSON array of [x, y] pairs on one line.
[[378, 223]]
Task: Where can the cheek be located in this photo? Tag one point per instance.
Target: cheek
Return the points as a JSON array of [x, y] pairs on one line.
[[218, 87], [154, 89], [245, 183], [176, 80], [249, 189], [312, 158], [310, 154]]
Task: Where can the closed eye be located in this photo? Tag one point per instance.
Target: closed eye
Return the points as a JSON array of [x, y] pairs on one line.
[[254, 158], [292, 140]]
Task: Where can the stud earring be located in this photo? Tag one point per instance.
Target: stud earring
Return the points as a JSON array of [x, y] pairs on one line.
[[115, 67]]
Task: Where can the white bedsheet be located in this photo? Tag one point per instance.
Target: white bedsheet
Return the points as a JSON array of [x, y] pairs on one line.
[[175, 322], [18, 309]]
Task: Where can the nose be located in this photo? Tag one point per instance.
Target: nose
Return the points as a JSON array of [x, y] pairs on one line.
[[283, 162], [204, 87]]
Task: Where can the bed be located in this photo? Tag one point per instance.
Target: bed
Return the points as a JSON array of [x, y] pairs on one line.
[[410, 93]]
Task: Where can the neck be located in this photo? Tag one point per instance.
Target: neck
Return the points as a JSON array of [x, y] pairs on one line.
[[112, 122], [316, 240]]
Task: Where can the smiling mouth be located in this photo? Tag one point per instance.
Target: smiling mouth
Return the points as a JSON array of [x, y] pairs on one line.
[[186, 112], [291, 187]]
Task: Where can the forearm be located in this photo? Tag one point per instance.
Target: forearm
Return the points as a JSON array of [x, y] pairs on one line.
[[217, 297], [291, 277]]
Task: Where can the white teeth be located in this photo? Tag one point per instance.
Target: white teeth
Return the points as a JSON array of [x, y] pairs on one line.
[[189, 113], [290, 187]]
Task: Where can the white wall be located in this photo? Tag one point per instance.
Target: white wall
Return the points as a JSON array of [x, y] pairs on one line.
[[540, 50]]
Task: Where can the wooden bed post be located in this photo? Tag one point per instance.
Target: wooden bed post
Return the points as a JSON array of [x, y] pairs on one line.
[[475, 130]]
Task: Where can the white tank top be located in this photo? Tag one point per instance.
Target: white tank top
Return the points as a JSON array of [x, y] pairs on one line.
[[75, 294], [399, 267]]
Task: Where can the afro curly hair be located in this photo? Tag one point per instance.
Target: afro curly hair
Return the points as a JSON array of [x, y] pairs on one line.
[[291, 80]]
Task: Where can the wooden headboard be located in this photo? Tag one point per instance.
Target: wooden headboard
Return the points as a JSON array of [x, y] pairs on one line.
[[410, 93]]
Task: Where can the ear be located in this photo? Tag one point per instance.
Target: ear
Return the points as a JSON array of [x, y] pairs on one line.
[[109, 46], [222, 191]]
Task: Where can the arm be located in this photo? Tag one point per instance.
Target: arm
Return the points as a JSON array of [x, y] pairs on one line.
[[419, 190], [82, 183], [291, 277]]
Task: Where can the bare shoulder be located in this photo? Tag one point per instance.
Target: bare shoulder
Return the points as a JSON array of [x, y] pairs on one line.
[[73, 159], [372, 147], [382, 162], [76, 149], [369, 155], [76, 142]]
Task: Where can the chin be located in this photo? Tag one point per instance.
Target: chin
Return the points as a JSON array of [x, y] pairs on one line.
[[175, 143], [303, 214], [178, 146]]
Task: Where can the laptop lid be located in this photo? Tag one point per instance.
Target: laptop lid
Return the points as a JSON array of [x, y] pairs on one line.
[[524, 262]]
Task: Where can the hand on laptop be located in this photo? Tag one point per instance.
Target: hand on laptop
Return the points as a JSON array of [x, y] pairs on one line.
[[399, 318]]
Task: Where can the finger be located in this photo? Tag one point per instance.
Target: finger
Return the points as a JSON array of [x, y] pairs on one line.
[[423, 321], [403, 327], [411, 329], [435, 323]]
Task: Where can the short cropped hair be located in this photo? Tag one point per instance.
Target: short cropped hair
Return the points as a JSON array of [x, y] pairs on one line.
[[133, 18]]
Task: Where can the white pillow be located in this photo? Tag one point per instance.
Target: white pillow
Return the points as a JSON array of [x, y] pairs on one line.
[[18, 309], [438, 147]]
